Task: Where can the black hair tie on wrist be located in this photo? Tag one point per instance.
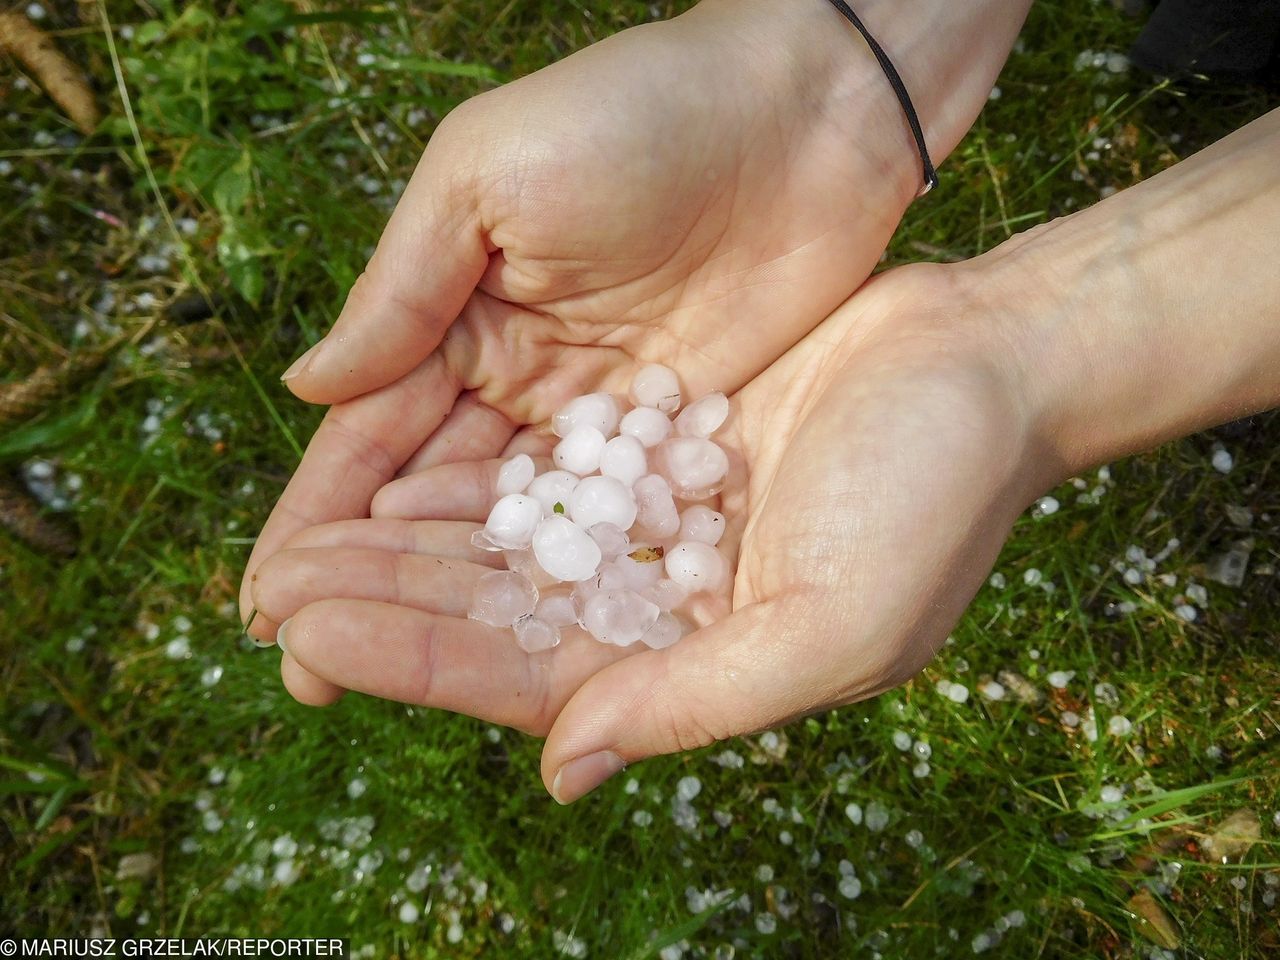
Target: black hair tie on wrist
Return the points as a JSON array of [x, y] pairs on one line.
[[900, 89]]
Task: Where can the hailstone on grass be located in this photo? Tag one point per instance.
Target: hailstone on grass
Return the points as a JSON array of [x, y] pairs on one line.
[[608, 542]]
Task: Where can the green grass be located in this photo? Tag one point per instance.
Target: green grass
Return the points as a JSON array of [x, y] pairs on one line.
[[259, 165]]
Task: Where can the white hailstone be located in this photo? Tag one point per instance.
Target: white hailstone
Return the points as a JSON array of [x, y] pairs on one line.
[[983, 942], [694, 467], [284, 847], [554, 486], [1015, 918], [850, 887], [1046, 506], [992, 690], [854, 812], [596, 410], [902, 740], [766, 923], [1059, 679], [1070, 719], [1197, 594], [701, 523], [667, 594], [1032, 577], [534, 635], [666, 630], [1133, 576], [704, 416], [611, 539], [997, 581], [655, 507], [656, 386], [501, 598], [285, 873], [565, 550], [623, 459], [1222, 460], [914, 839], [688, 788], [211, 675], [877, 816], [957, 693], [764, 872], [697, 567], [512, 521], [526, 564], [179, 648], [1111, 794], [182, 624], [580, 451], [409, 912], [647, 425], [556, 610], [1186, 612], [620, 617], [642, 818], [515, 475], [602, 500], [922, 749], [921, 770], [1119, 726]]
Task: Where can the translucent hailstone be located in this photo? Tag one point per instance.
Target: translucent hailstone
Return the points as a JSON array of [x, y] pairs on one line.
[[667, 594], [565, 550], [697, 566], [596, 410], [602, 500], [579, 452], [557, 610], [512, 521], [704, 416], [666, 630], [701, 523], [655, 507], [694, 467], [620, 617], [534, 635], [501, 598], [638, 575], [656, 386], [551, 488], [515, 475], [611, 539], [623, 459], [646, 424], [526, 564]]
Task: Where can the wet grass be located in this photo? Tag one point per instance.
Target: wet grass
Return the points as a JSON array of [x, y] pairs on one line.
[[253, 169]]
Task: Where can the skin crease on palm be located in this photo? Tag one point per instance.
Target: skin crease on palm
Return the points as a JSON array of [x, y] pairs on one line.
[[638, 201]]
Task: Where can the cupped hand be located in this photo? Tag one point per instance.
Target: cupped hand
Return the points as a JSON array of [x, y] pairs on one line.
[[879, 466], [699, 192]]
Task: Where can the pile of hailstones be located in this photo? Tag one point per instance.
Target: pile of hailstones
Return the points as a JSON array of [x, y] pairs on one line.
[[599, 541]]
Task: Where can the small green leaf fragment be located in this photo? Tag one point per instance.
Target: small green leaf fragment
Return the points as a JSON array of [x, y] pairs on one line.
[[558, 508]]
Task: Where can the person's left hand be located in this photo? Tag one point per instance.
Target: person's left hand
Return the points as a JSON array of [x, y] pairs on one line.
[[880, 464]]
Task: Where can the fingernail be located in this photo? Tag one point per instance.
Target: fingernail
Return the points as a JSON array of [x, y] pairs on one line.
[[300, 364], [280, 634], [579, 777]]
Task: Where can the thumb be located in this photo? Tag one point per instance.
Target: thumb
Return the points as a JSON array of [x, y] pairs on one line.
[[428, 261], [751, 671]]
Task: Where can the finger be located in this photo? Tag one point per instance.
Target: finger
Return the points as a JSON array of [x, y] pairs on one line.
[[754, 670], [306, 687], [289, 580], [472, 431], [358, 448], [440, 538], [528, 440], [422, 658], [452, 491], [427, 263]]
